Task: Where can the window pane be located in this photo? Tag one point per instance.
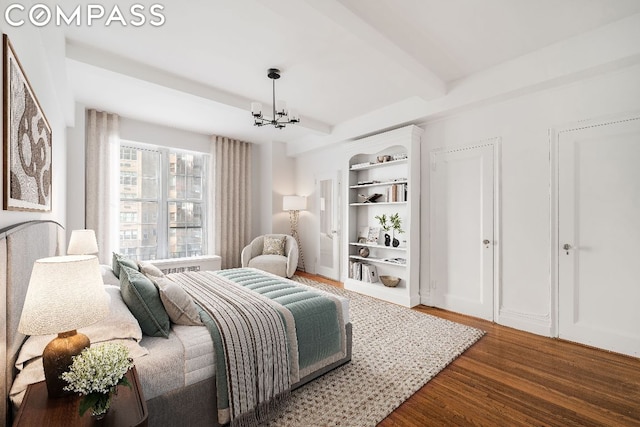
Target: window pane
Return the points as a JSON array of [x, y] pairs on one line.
[[177, 187], [139, 171], [139, 229], [150, 169], [194, 188], [185, 229], [146, 232]]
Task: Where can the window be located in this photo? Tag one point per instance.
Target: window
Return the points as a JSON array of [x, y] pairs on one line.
[[162, 202]]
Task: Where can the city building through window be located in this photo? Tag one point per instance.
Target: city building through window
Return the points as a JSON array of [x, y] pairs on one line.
[[162, 202]]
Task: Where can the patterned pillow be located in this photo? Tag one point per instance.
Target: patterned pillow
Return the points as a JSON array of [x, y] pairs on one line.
[[273, 245]]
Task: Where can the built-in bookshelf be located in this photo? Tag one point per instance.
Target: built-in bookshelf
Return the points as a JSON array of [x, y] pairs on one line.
[[384, 180]]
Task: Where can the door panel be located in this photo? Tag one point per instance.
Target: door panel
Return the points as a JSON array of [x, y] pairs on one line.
[[329, 244], [462, 219], [599, 220]]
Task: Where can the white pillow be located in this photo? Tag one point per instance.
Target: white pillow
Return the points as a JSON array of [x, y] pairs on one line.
[[177, 302], [119, 324], [108, 276]]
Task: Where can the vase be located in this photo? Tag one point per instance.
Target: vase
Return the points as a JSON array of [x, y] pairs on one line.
[[100, 404], [395, 242], [387, 239], [364, 252]]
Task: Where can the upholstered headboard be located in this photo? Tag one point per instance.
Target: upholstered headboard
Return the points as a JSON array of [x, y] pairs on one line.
[[20, 246]]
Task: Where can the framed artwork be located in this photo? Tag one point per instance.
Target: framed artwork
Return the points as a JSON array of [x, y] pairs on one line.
[[374, 234], [26, 141]]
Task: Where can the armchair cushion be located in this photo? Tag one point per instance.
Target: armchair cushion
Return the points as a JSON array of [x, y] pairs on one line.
[[275, 264], [284, 265]]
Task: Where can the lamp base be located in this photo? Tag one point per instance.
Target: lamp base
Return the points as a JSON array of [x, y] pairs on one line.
[[57, 358]]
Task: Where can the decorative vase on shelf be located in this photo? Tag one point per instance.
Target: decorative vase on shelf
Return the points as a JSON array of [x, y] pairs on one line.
[[387, 239], [395, 242]]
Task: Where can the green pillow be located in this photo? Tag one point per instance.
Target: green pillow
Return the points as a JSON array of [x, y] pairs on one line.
[[143, 299], [118, 260]]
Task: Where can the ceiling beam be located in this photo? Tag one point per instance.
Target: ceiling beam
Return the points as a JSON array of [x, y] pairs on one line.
[[432, 86], [121, 65]]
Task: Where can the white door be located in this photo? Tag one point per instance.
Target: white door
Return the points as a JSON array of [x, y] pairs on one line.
[[328, 264], [599, 222], [462, 238]]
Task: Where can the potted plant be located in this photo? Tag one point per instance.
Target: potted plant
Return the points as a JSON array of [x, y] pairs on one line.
[[396, 224], [96, 374], [386, 226]]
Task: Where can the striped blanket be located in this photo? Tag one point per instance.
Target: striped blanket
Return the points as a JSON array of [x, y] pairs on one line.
[[256, 337]]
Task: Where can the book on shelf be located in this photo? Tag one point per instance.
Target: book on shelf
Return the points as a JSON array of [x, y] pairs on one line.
[[369, 198], [369, 273], [397, 193], [355, 270], [396, 260]]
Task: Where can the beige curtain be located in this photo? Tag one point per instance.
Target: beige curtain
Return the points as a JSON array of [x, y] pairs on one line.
[[101, 167], [232, 198]]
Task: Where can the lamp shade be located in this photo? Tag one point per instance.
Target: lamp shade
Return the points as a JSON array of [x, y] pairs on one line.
[[82, 242], [294, 203], [65, 293]]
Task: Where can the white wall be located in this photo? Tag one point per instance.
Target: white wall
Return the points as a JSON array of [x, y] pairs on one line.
[[522, 124], [274, 177], [283, 184], [309, 166], [39, 52], [151, 133], [75, 172]]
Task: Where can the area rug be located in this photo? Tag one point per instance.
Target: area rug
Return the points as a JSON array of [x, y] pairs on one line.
[[395, 352]]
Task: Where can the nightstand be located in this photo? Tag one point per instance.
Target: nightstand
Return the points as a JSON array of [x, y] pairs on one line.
[[128, 408]]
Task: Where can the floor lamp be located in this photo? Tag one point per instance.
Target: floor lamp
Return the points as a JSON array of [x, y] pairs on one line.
[[295, 204]]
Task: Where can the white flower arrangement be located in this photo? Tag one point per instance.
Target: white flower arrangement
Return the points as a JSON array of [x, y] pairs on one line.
[[96, 373]]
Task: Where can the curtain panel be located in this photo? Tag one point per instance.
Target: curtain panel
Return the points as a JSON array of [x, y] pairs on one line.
[[232, 198], [101, 202]]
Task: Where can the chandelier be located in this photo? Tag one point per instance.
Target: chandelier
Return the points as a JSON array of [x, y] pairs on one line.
[[280, 116]]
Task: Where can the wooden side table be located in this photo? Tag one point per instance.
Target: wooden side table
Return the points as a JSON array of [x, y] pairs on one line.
[[128, 408]]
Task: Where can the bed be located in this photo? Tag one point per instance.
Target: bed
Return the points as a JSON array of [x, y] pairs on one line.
[[177, 373]]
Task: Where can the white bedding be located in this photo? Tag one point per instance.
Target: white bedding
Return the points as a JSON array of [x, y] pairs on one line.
[[185, 358], [163, 364]]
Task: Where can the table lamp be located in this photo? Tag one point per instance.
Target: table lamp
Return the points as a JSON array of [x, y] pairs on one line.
[[83, 242], [295, 204], [65, 293]]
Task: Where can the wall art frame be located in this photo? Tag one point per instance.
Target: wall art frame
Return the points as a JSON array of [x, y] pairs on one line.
[[27, 140]]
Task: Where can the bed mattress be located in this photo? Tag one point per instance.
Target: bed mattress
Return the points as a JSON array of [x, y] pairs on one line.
[[185, 358]]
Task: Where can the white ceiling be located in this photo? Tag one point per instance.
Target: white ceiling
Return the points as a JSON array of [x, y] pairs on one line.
[[343, 62]]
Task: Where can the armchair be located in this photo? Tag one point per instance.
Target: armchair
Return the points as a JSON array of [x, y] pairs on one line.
[[285, 266]]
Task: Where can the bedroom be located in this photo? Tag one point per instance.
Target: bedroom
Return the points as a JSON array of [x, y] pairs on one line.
[[589, 75]]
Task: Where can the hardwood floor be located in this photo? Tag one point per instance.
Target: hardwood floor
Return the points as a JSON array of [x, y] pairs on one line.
[[514, 378]]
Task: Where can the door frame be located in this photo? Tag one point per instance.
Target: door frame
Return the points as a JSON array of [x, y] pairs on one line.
[[496, 143], [336, 175], [554, 202]]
